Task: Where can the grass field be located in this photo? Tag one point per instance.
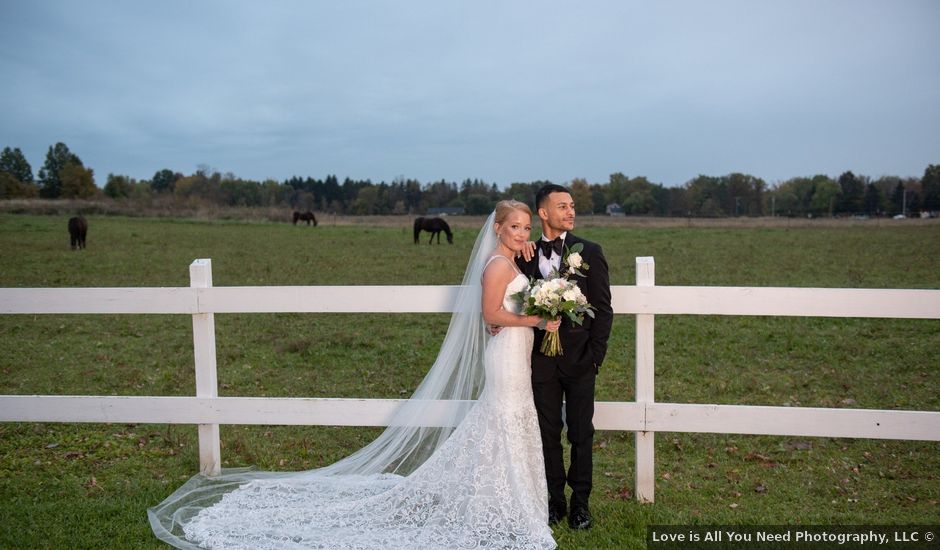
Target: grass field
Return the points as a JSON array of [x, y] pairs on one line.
[[89, 485]]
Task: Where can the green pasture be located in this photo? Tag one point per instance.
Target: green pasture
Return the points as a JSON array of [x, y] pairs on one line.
[[89, 485]]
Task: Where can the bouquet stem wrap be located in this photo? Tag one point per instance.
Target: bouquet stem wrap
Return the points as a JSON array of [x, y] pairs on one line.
[[551, 345]]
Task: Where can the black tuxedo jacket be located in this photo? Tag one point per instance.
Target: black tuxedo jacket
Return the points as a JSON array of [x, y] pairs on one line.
[[584, 346]]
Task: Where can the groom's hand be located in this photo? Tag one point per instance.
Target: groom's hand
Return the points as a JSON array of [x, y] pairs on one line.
[[528, 251], [493, 329]]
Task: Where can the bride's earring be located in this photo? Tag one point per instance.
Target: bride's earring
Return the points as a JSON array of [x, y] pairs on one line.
[[499, 240]]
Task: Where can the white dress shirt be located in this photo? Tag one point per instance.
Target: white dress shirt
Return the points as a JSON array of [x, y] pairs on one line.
[[546, 265]]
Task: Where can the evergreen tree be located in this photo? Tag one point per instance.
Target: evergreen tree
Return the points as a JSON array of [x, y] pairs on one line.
[[13, 162], [57, 158], [164, 180], [597, 198], [873, 199], [930, 188], [853, 193]]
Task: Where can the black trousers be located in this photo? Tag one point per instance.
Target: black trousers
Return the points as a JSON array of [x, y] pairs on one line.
[[578, 395]]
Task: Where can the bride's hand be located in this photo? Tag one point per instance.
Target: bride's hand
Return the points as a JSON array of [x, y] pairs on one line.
[[528, 251], [552, 326]]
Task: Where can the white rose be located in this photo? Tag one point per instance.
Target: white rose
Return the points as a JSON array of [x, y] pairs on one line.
[[574, 260]]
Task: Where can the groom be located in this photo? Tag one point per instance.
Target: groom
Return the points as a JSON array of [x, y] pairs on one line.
[[568, 377]]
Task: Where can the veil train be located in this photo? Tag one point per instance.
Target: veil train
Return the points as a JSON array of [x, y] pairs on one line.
[[457, 374]]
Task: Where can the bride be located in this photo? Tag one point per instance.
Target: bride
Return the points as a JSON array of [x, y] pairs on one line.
[[474, 478]]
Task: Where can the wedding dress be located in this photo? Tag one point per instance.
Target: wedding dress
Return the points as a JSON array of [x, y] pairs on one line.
[[478, 485]]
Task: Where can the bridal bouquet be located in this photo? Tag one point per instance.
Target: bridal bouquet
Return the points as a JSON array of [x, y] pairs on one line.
[[550, 299]]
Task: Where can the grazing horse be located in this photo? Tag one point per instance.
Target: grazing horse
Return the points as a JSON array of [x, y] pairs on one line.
[[78, 228], [434, 226], [306, 216]]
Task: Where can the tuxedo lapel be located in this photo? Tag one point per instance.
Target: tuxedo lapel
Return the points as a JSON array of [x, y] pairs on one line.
[[581, 281], [570, 240], [531, 268]]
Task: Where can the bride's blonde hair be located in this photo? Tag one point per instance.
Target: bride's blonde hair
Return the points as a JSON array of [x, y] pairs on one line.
[[503, 208]]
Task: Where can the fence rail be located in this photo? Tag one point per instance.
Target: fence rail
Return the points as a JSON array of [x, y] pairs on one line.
[[644, 415], [653, 300]]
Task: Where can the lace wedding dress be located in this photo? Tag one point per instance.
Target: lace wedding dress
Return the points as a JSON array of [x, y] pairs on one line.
[[482, 485]]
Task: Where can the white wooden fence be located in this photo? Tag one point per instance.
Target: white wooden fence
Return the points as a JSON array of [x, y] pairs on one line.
[[644, 416]]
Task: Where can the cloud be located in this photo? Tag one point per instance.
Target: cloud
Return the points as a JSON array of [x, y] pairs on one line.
[[502, 91]]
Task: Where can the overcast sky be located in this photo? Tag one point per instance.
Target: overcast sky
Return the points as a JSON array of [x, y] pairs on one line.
[[498, 90]]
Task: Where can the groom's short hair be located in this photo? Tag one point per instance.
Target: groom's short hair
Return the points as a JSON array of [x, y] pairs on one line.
[[547, 190]]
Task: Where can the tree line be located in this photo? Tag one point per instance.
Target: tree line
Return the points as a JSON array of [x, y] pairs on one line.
[[64, 175]]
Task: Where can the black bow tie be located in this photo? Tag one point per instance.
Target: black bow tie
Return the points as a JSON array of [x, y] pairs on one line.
[[556, 246]]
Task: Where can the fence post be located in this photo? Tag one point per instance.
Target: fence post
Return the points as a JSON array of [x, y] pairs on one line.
[[210, 453], [645, 455]]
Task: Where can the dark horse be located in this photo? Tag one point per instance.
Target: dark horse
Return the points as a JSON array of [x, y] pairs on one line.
[[434, 226], [78, 228], [306, 216]]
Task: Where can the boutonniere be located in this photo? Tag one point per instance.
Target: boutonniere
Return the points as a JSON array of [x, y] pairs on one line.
[[575, 264]]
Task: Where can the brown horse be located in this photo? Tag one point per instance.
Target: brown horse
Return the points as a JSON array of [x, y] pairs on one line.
[[78, 228], [434, 226], [305, 216]]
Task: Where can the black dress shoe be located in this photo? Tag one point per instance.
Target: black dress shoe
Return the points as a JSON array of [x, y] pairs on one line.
[[580, 518], [556, 514]]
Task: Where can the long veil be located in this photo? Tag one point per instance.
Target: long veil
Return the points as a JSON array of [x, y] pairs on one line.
[[456, 375]]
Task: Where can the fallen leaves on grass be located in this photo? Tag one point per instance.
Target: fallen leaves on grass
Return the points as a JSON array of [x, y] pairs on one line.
[[625, 493], [765, 461], [91, 483]]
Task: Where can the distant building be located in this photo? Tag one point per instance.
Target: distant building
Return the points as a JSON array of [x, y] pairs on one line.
[[614, 209], [446, 211]]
